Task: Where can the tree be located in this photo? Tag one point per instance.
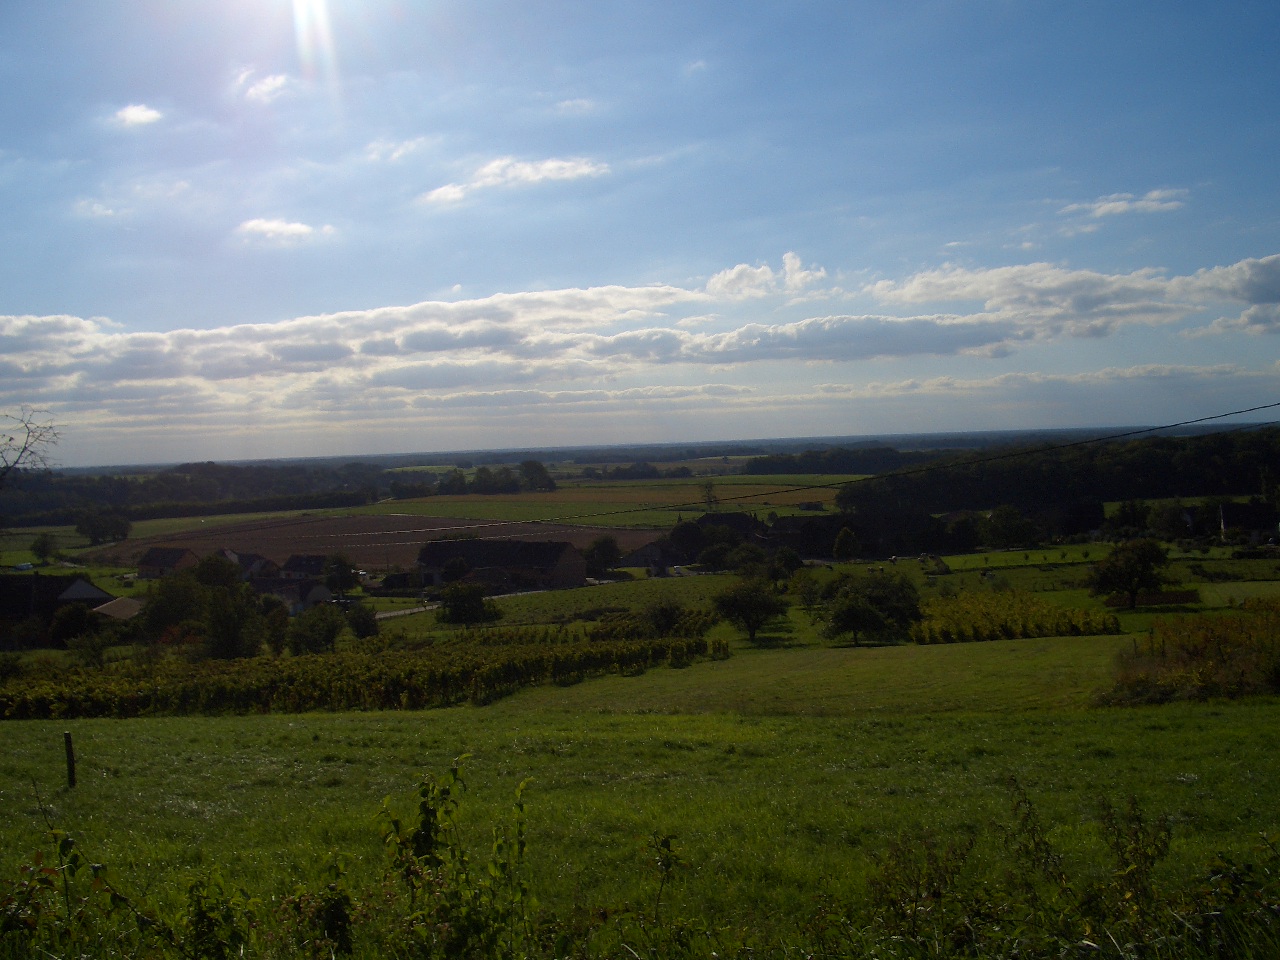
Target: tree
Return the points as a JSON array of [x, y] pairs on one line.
[[883, 605], [535, 476], [804, 588], [1131, 568], [602, 555], [25, 439], [235, 627], [846, 545], [316, 631], [749, 605], [340, 574], [466, 603], [362, 621], [43, 547], [100, 527], [709, 498]]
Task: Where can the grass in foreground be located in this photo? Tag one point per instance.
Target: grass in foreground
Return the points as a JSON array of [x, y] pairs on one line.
[[783, 773]]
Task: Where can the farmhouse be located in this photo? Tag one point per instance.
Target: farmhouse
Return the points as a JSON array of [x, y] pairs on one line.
[[304, 566], [504, 564], [38, 596], [297, 595], [160, 562], [252, 566]]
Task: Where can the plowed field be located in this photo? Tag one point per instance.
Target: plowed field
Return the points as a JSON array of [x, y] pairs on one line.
[[371, 542]]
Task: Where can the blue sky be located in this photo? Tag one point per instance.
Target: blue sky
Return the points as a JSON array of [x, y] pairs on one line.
[[257, 228]]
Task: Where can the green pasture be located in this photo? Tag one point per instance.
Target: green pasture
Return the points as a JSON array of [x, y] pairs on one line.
[[781, 773]]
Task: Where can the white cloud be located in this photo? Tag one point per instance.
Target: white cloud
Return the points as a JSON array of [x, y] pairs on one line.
[[268, 88], [281, 231], [1153, 201], [746, 282], [393, 150], [1045, 297], [578, 106], [93, 208], [1254, 281], [137, 115], [508, 172], [571, 345]]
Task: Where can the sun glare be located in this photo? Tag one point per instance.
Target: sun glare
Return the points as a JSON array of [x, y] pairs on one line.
[[315, 41]]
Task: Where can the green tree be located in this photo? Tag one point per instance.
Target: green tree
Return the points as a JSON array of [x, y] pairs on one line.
[[466, 603], [103, 527], [602, 555], [846, 545], [804, 587], [316, 630], [215, 570], [174, 600], [1130, 568], [340, 574], [1007, 527], [534, 476], [749, 605], [879, 604], [43, 547], [71, 621], [275, 623], [362, 621], [234, 624]]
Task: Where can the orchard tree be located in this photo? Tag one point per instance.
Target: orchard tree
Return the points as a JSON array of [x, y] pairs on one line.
[[749, 605], [880, 605], [1130, 568]]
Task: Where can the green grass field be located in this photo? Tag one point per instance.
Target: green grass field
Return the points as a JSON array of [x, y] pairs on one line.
[[781, 771]]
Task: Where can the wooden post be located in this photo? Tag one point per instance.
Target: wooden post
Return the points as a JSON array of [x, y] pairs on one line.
[[71, 759]]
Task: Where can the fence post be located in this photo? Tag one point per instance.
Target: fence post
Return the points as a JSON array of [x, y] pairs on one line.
[[71, 759]]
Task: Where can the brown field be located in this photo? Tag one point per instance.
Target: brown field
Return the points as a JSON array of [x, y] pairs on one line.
[[371, 542]]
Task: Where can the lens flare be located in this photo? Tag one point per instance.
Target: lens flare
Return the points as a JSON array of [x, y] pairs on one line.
[[315, 41]]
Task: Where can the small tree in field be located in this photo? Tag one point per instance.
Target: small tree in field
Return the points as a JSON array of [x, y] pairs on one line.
[[1130, 568], [749, 605], [846, 545], [43, 547], [880, 605]]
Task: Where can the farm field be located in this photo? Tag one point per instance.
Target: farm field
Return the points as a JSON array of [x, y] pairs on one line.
[[388, 535]]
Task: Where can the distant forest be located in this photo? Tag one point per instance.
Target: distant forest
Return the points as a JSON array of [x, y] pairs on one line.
[[1046, 483]]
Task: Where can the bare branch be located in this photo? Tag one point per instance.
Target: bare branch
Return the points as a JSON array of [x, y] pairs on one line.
[[25, 440]]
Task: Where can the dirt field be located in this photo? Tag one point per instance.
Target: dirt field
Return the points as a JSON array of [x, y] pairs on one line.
[[374, 543]]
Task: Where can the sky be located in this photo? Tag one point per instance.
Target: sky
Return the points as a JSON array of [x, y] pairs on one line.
[[239, 229]]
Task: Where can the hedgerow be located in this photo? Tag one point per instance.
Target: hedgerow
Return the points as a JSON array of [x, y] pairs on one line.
[[438, 676]]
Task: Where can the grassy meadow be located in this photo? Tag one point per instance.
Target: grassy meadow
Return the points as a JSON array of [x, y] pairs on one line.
[[782, 773]]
